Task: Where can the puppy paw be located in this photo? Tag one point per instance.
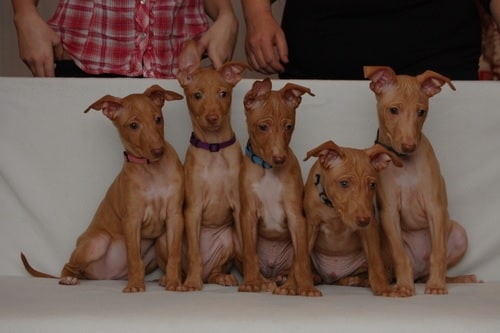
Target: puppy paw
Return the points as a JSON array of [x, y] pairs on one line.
[[436, 290], [171, 285], [256, 286], [134, 287], [404, 290], [469, 278], [223, 279], [69, 281], [193, 284], [387, 291]]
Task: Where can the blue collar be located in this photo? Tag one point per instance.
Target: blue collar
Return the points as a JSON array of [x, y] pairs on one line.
[[256, 159]]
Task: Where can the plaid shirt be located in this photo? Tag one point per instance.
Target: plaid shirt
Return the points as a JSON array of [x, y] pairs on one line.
[[128, 37]]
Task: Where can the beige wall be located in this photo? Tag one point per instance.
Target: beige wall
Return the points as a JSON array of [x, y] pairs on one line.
[[11, 65]]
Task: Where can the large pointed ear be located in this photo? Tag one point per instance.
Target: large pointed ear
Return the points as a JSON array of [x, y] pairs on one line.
[[260, 90], [292, 94], [380, 157], [328, 153], [381, 77], [109, 105], [189, 62], [231, 71], [431, 82], [159, 95]]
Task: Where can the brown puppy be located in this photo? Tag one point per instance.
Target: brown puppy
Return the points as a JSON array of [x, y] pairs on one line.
[[273, 227], [143, 204], [211, 167], [412, 200], [339, 202]]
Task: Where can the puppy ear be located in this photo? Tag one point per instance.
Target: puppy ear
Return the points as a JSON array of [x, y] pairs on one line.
[[328, 153], [109, 105], [189, 62], [292, 94], [380, 157], [260, 90], [431, 82], [159, 95], [381, 77], [231, 71]]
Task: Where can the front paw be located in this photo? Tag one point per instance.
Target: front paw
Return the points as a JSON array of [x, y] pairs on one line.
[[257, 285], [193, 284], [435, 289], [404, 290], [309, 292], [171, 284], [227, 280], [134, 287], [388, 291]]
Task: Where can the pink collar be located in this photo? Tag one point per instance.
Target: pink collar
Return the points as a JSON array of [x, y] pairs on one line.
[[134, 159]]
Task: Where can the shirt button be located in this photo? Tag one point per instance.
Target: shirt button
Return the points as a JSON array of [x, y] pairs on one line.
[[143, 2]]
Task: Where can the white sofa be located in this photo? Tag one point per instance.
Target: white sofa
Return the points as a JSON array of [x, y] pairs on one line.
[[56, 163]]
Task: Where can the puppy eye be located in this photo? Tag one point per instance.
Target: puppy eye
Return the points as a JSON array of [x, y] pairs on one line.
[[372, 185], [344, 184], [421, 113], [158, 120], [223, 94], [394, 110], [263, 127], [133, 125], [289, 127], [197, 95]]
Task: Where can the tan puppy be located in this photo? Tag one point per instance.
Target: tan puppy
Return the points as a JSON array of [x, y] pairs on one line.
[[273, 227], [339, 202], [143, 203], [211, 167], [413, 203]]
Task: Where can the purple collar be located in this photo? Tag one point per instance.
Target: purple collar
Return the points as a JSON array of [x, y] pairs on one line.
[[211, 147]]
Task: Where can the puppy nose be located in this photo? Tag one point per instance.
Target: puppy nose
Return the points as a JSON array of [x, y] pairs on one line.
[[363, 221], [408, 148], [158, 152], [212, 118], [279, 159]]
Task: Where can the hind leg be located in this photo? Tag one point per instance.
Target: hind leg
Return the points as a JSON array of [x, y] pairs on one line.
[[217, 249], [91, 247]]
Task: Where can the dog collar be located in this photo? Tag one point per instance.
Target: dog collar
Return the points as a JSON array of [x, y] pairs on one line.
[[134, 159], [256, 159], [322, 194], [211, 147], [390, 148]]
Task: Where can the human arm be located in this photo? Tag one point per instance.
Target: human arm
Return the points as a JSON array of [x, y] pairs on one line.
[[265, 42], [495, 11], [37, 42], [219, 40]]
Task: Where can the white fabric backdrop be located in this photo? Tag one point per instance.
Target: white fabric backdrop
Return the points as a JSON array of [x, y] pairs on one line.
[[56, 163]]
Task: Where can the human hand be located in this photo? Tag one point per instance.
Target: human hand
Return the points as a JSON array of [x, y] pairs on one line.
[[219, 40], [38, 44], [265, 44]]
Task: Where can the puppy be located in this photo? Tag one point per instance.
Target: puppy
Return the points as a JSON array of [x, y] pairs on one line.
[[273, 227], [339, 203], [142, 207], [211, 167], [412, 200]]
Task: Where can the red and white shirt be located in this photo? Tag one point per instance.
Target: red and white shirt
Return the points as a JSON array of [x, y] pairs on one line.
[[128, 37]]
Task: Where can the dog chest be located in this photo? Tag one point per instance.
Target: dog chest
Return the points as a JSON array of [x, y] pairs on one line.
[[269, 195]]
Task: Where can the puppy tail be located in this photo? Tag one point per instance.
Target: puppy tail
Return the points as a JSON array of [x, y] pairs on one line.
[[34, 272]]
